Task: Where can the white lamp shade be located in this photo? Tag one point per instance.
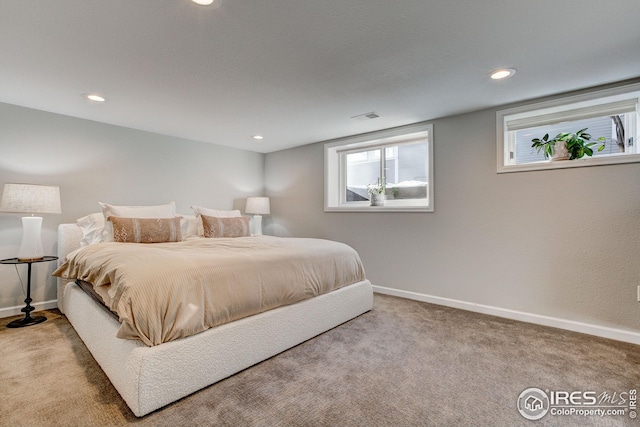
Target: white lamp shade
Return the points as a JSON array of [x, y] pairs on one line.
[[30, 198], [258, 206]]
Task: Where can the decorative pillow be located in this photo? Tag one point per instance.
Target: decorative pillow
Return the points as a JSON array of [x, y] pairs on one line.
[[199, 210], [189, 226], [225, 227], [92, 227], [145, 230], [154, 211]]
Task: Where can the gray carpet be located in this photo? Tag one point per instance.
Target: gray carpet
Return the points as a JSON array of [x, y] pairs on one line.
[[405, 363]]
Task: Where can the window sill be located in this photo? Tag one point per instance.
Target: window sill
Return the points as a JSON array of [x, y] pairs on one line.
[[564, 164], [389, 206]]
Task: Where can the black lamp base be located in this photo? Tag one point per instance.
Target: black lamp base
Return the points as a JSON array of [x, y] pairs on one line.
[[26, 321]]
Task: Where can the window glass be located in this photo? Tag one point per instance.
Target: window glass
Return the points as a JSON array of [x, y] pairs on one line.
[[610, 115], [406, 171], [612, 128], [362, 169]]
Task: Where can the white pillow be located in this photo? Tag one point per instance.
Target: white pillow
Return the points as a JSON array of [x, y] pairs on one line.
[[216, 212], [199, 210], [155, 211], [92, 227]]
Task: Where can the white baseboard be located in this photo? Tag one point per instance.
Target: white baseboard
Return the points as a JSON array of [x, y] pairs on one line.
[[570, 325], [14, 311]]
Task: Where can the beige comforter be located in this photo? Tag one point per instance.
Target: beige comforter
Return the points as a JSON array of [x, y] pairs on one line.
[[166, 291]]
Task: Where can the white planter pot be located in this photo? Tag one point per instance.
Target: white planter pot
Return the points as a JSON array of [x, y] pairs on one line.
[[377, 199], [560, 151]]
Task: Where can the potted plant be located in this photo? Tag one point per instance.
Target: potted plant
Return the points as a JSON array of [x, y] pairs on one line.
[[376, 193], [567, 146]]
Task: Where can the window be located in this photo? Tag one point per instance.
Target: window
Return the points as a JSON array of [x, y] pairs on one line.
[[611, 114], [399, 159]]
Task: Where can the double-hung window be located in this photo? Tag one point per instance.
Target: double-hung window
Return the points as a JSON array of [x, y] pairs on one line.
[[610, 114], [398, 162]]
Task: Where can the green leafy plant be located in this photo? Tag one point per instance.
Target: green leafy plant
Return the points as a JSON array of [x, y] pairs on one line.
[[578, 144]]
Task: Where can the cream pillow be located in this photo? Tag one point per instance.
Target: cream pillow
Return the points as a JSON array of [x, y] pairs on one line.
[[216, 212], [155, 211], [189, 226]]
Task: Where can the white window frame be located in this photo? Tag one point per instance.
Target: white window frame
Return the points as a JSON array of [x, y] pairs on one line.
[[569, 108], [334, 169]]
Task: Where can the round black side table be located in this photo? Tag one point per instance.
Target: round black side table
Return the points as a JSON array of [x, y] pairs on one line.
[[27, 320]]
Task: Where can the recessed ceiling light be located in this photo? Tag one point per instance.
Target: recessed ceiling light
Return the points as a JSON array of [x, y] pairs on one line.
[[257, 137], [213, 4], [94, 97], [502, 73]]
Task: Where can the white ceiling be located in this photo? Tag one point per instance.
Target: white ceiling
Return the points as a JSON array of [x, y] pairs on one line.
[[296, 71]]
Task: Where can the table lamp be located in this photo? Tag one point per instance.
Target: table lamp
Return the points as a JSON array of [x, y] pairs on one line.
[[31, 199], [257, 206]]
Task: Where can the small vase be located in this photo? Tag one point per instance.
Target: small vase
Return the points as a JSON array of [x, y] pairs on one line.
[[377, 199]]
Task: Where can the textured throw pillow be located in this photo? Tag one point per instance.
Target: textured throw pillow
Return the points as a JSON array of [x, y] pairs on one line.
[[146, 230], [155, 211], [199, 210], [225, 227]]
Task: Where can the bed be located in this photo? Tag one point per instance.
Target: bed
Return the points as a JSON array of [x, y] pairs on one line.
[[150, 377]]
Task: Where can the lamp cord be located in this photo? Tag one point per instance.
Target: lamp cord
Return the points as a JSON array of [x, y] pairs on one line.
[[20, 278]]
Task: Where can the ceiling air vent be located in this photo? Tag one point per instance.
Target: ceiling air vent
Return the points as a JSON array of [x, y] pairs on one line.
[[367, 116]]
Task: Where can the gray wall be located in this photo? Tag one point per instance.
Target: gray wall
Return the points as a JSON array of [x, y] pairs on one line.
[[559, 243], [94, 162]]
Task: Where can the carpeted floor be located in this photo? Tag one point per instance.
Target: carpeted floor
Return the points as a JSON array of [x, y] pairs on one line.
[[406, 363]]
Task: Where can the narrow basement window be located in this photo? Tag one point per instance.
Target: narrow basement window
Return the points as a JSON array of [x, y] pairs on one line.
[[611, 115], [389, 170]]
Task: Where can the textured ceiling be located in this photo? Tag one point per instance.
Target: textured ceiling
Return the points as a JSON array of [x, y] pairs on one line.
[[296, 71]]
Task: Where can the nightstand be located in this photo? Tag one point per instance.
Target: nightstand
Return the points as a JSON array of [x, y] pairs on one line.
[[28, 320]]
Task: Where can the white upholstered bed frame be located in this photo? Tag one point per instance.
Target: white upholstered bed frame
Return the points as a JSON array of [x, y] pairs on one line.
[[149, 378]]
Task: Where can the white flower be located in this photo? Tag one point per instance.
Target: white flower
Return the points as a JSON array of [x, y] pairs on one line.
[[375, 188]]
